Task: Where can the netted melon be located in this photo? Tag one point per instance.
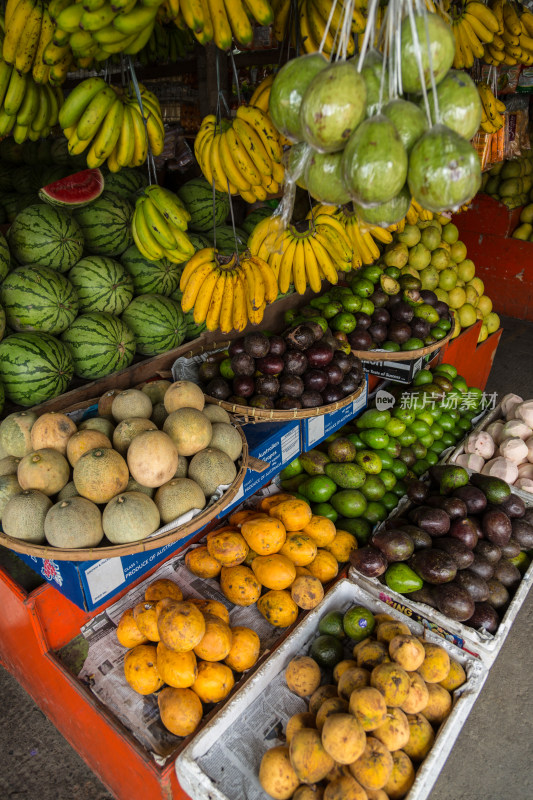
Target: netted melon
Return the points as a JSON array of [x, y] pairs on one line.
[[101, 424], [216, 413], [68, 491], [135, 486], [101, 474], [177, 497], [73, 523], [9, 487], [159, 414], [127, 430], [52, 430], [184, 394], [24, 516], [83, 441], [15, 433], [129, 517], [212, 468], [106, 402], [152, 458], [46, 470], [226, 438], [183, 468], [189, 429], [131, 403], [155, 390], [9, 465]]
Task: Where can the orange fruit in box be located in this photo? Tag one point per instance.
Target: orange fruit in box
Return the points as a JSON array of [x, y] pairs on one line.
[[201, 563], [294, 514], [180, 710], [140, 669], [264, 534], [321, 529], [216, 641], [245, 647], [162, 588], [176, 669], [214, 682], [181, 626], [273, 500], [128, 632]]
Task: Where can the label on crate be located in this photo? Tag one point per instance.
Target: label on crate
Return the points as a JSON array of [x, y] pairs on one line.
[[315, 429], [399, 371], [290, 445], [104, 576]]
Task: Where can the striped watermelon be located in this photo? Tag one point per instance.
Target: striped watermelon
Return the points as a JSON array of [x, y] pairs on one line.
[[225, 239], [157, 323], [198, 197], [6, 178], [5, 258], [102, 284], [38, 299], [42, 234], [125, 182], [192, 329], [100, 344], [2, 323], [106, 225], [34, 367], [254, 218], [151, 277], [198, 241]]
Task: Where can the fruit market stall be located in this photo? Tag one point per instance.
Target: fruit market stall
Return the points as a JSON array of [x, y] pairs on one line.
[[249, 306]]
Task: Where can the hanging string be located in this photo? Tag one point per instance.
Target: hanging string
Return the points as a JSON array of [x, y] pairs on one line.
[[369, 32], [431, 72], [152, 172], [327, 26], [418, 57]]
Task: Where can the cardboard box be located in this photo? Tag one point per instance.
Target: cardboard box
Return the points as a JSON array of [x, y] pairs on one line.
[[316, 429], [398, 371], [90, 584]]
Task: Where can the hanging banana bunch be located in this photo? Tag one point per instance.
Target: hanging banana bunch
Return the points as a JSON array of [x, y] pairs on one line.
[[513, 41], [158, 226], [28, 110], [100, 117], [227, 292], [474, 27], [491, 109], [313, 16], [241, 156], [220, 21]]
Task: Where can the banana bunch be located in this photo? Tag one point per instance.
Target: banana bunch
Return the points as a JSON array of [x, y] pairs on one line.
[[97, 116], [165, 45], [513, 42], [90, 30], [27, 110], [24, 22], [491, 109], [158, 226], [227, 293], [220, 21], [362, 237], [474, 27], [304, 254], [261, 95], [241, 156], [313, 16]]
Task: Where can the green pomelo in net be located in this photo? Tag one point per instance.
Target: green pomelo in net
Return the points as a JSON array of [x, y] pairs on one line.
[[441, 46], [372, 72], [324, 178], [288, 89], [444, 170], [459, 103], [374, 162], [333, 106], [387, 213], [409, 120]]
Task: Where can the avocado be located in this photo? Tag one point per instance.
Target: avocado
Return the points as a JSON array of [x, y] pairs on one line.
[[356, 440], [375, 438], [314, 462], [318, 489], [488, 550], [417, 491], [498, 594], [514, 506], [401, 578], [423, 595], [434, 521], [477, 588], [346, 476], [396, 545], [461, 554], [485, 617], [293, 484], [496, 527], [495, 490], [373, 419], [511, 549], [341, 450], [450, 478], [523, 533], [359, 527], [474, 498], [507, 573], [420, 538], [433, 566], [291, 470], [482, 567], [349, 503], [369, 461], [467, 531], [369, 561], [454, 601]]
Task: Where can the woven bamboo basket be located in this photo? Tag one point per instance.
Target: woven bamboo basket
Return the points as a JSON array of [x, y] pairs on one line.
[[401, 355], [249, 414], [152, 542]]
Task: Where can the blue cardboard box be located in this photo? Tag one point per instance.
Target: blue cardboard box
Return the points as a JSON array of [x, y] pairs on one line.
[[316, 429], [90, 584]]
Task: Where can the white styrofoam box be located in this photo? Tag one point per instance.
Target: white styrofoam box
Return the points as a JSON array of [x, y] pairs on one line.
[[190, 770]]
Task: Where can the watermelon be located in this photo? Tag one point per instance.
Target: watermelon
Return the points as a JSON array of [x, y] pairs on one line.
[[50, 173], [157, 323], [100, 344], [38, 299], [254, 218], [106, 225], [75, 190], [225, 239], [102, 284], [151, 277], [25, 179], [2, 323], [6, 178], [34, 367], [60, 155], [192, 329], [30, 153], [198, 241], [5, 258], [125, 182], [10, 151], [9, 203], [47, 236], [198, 198], [2, 398], [25, 201]]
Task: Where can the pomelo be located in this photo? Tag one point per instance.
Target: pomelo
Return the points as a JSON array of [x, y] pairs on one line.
[[410, 235], [458, 251], [459, 103], [492, 321], [450, 234], [483, 333], [472, 296], [388, 213], [323, 178], [447, 279], [288, 89], [440, 258], [372, 73], [429, 277], [442, 49], [409, 120], [419, 256], [478, 285]]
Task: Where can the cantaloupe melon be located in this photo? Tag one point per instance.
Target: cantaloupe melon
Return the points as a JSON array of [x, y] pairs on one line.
[[155, 390], [127, 430], [83, 441], [189, 429], [46, 470], [159, 414], [68, 491], [226, 438], [52, 430], [105, 426], [183, 468], [24, 516], [106, 402], [152, 458], [15, 433], [216, 413], [131, 403], [135, 486], [184, 394], [100, 474], [9, 465], [211, 468], [129, 517], [177, 497], [73, 523], [9, 487]]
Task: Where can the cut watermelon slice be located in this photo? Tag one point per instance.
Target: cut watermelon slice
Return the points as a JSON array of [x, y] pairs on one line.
[[75, 190]]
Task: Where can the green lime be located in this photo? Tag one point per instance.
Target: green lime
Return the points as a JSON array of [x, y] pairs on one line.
[[358, 623], [421, 466], [412, 344], [356, 440], [291, 470], [351, 302], [362, 287], [390, 347], [436, 430], [426, 417], [399, 468], [407, 415], [331, 624], [422, 377], [448, 370], [401, 578], [446, 422], [426, 440], [460, 383], [359, 527], [331, 309], [393, 272], [386, 460], [371, 272], [327, 650], [401, 487], [225, 369], [344, 322], [389, 500], [432, 458], [318, 489], [325, 510], [388, 478], [376, 512], [367, 307], [447, 439], [395, 427], [349, 503]]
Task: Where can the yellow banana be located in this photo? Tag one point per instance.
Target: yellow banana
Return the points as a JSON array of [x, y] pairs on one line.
[[484, 14], [40, 69], [15, 93], [156, 133], [242, 160], [253, 146], [29, 41], [221, 27], [285, 267], [195, 284], [269, 279], [139, 41], [29, 106], [298, 268], [511, 19], [212, 318], [69, 19], [140, 150], [238, 19], [202, 256], [261, 11], [203, 300], [230, 167], [264, 128], [239, 304], [7, 122], [142, 234], [98, 19], [126, 139], [324, 261], [40, 119], [159, 230], [226, 309], [482, 32], [5, 77], [15, 29], [527, 22], [167, 204], [109, 131], [135, 21], [95, 112], [474, 43], [311, 267]]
